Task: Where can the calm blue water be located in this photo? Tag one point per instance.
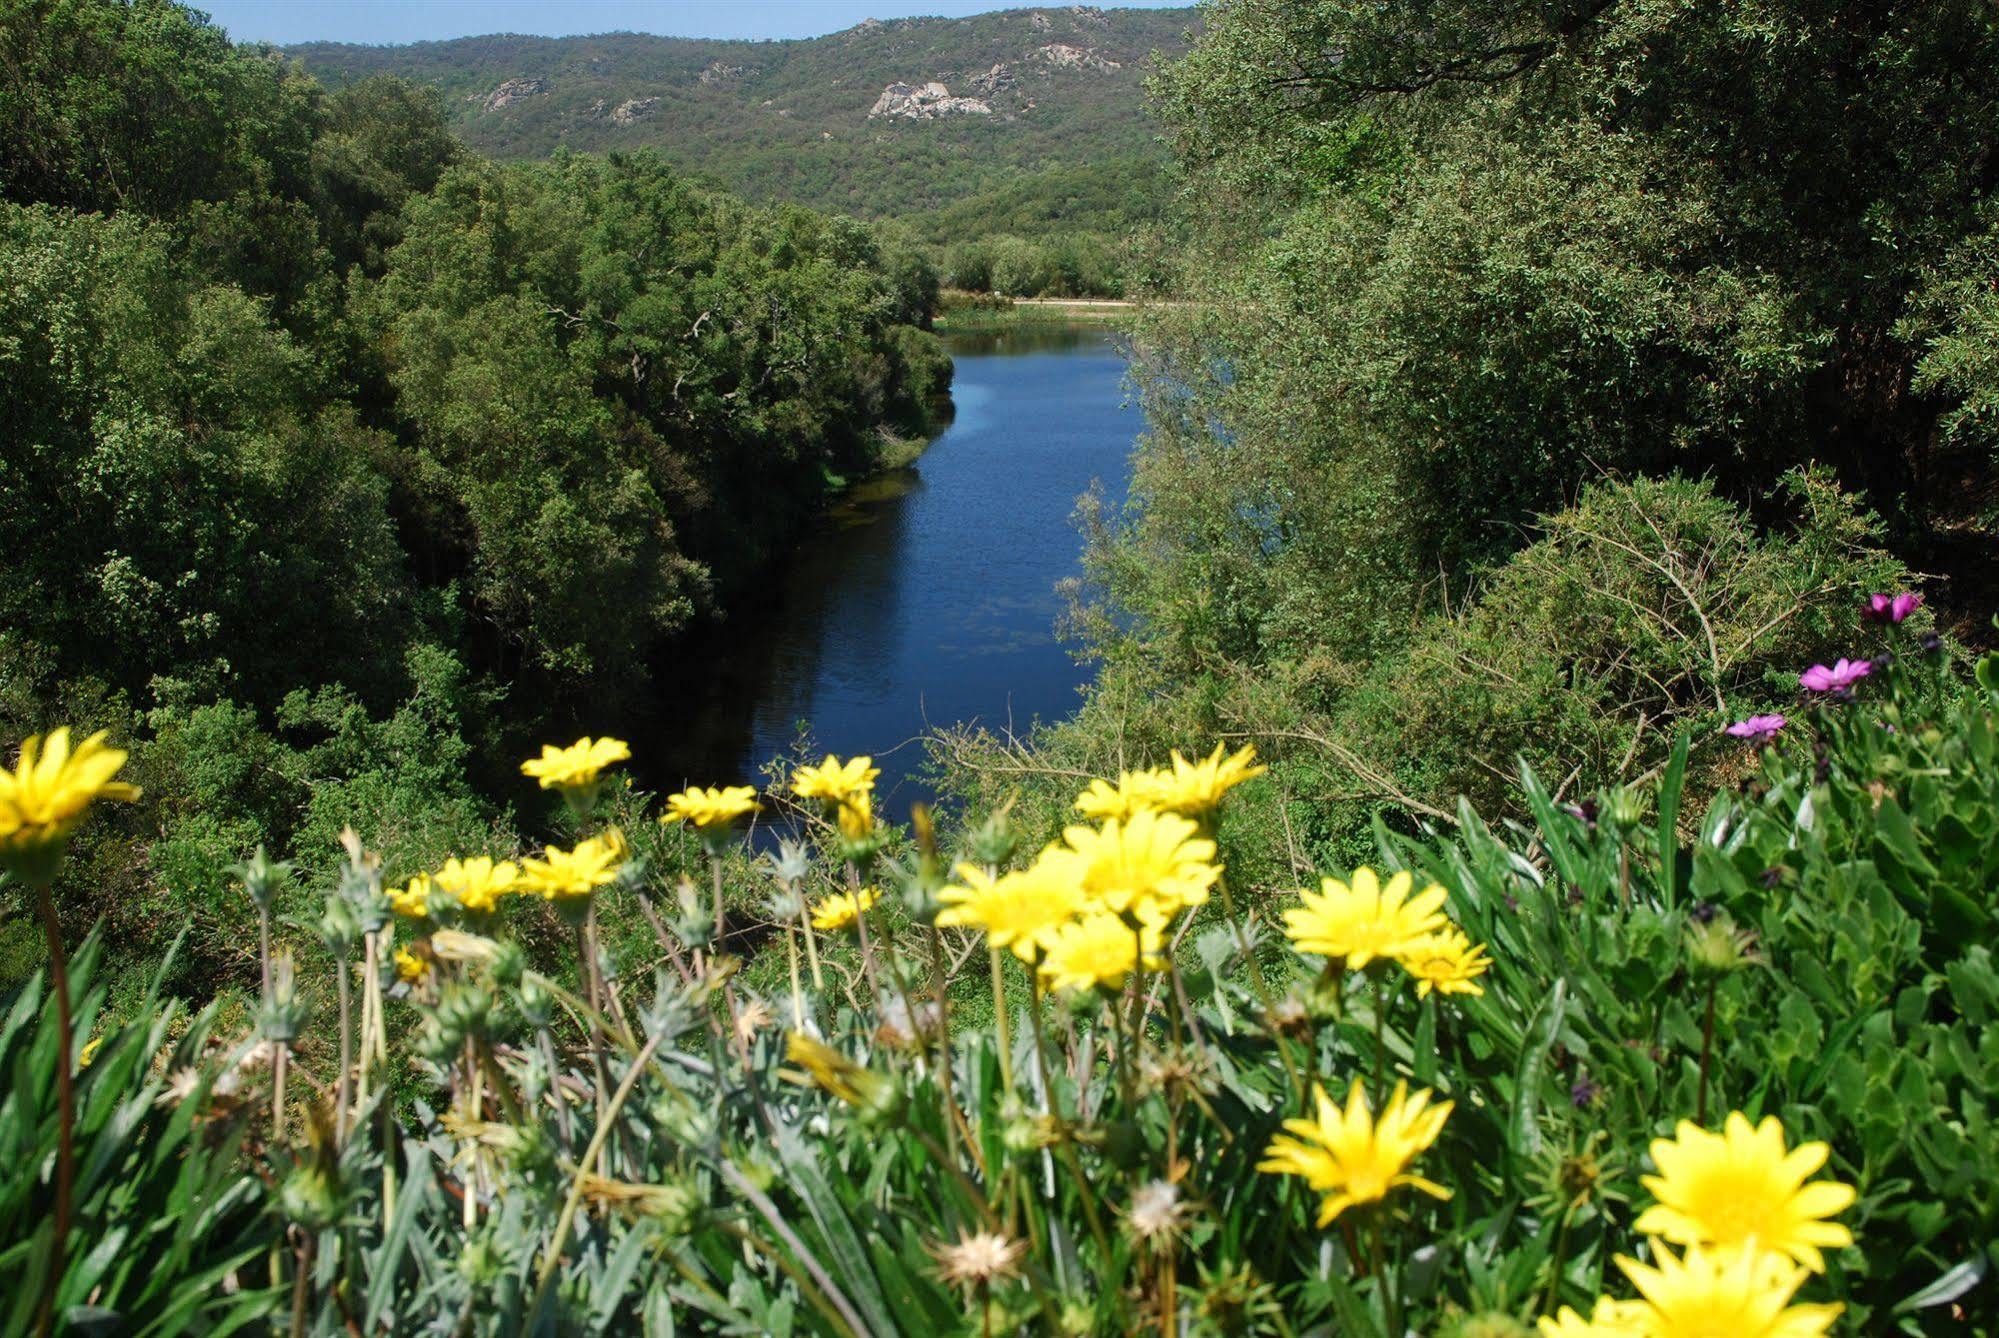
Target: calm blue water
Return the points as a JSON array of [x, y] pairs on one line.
[[927, 597]]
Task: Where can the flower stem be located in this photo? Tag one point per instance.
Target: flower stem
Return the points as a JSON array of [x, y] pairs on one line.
[[552, 1258], [1242, 937], [1707, 1050], [797, 988], [1381, 1279], [65, 1103], [952, 1117], [1084, 1192], [721, 911], [1380, 1036], [999, 1014], [341, 1082], [811, 947], [1554, 1293], [586, 948], [302, 1283]]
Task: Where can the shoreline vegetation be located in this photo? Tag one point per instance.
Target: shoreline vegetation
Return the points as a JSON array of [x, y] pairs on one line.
[[962, 310]]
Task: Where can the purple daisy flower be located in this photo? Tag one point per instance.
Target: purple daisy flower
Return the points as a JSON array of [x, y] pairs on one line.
[[1758, 729], [1892, 608], [1842, 676]]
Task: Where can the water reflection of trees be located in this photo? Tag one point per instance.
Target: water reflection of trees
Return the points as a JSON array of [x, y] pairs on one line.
[[1024, 338]]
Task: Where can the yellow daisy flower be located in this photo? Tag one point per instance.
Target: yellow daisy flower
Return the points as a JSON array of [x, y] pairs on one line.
[[1610, 1319], [1099, 950], [1018, 911], [51, 785], [476, 884], [1151, 865], [1352, 1158], [1445, 961], [1195, 788], [849, 1081], [835, 781], [1135, 792], [410, 967], [577, 765], [856, 816], [579, 872], [1362, 920], [1741, 1185], [1743, 1291], [413, 899], [841, 909], [712, 807]]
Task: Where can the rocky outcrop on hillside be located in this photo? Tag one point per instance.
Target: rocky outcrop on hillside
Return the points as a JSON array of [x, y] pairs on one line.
[[633, 110], [1065, 57], [514, 90], [996, 80], [925, 102], [721, 72]]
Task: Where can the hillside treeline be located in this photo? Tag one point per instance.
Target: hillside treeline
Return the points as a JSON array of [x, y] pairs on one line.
[[1545, 378], [319, 430]]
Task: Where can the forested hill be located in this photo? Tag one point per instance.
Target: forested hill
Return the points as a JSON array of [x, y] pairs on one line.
[[1040, 126]]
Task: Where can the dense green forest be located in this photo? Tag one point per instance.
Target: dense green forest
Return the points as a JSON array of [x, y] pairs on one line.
[[1049, 180], [331, 446]]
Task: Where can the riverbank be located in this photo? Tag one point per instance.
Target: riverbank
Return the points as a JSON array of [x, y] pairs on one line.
[[987, 311]]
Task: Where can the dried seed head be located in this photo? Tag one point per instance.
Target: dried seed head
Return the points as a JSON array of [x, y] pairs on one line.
[[1291, 1016], [1158, 1212], [753, 1018], [979, 1259], [905, 1027]]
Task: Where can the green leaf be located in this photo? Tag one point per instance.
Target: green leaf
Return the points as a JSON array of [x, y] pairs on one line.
[[1670, 787], [1523, 1127], [1953, 1283]]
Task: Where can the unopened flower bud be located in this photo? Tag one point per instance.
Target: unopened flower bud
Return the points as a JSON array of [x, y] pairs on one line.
[[994, 841], [1717, 947], [481, 1262], [537, 1004], [436, 1043], [262, 876], [1626, 807], [310, 1197], [463, 1008], [339, 926], [791, 862]]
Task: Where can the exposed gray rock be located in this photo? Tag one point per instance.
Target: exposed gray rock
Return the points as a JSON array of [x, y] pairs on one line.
[[633, 110], [512, 91], [925, 102], [1065, 57], [721, 72], [996, 80]]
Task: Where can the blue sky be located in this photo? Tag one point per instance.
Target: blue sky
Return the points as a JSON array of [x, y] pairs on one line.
[[285, 21]]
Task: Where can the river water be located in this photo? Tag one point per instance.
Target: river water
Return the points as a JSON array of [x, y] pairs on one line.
[[927, 597]]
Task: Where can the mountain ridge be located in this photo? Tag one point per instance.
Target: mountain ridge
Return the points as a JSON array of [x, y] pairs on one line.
[[888, 118]]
